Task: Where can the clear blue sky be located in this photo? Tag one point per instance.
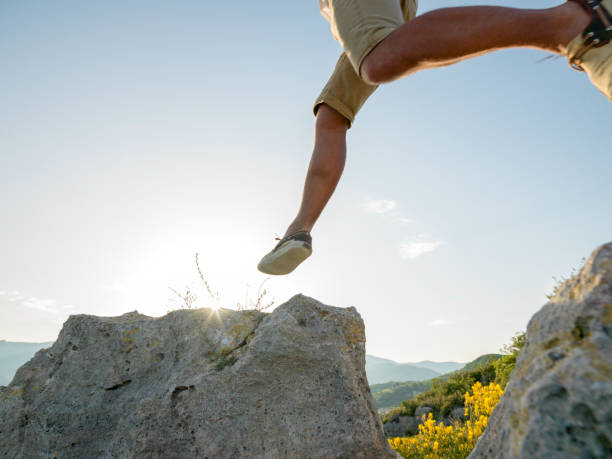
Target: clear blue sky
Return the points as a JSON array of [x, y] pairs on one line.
[[134, 134]]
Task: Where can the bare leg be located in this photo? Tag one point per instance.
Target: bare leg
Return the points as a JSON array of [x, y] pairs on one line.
[[435, 39], [445, 36], [326, 166]]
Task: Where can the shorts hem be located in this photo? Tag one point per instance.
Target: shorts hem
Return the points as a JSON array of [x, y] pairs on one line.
[[337, 105]]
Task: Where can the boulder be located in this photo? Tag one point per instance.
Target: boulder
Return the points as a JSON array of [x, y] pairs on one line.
[[393, 417], [198, 383], [401, 426], [558, 402], [457, 414], [422, 412]]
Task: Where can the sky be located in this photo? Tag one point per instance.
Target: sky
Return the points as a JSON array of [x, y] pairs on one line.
[[136, 134]]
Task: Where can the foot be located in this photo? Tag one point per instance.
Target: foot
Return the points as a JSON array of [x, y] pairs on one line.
[[591, 51], [288, 254]]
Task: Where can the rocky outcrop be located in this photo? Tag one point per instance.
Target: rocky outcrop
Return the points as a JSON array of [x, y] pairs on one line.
[[198, 383], [422, 412], [401, 426], [558, 403]]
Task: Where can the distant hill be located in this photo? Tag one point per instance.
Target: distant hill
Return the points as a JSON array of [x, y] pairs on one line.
[[391, 394], [440, 367], [383, 370], [13, 355], [480, 361]]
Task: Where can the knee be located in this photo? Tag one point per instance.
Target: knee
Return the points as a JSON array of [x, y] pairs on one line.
[[374, 70], [330, 119]]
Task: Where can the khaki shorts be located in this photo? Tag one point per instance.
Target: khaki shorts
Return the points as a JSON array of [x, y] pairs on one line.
[[359, 25]]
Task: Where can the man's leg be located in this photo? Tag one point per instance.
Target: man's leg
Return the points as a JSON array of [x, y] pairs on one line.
[[326, 166], [335, 109], [443, 37]]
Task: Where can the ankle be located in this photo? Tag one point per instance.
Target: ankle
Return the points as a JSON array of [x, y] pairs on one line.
[[295, 227]]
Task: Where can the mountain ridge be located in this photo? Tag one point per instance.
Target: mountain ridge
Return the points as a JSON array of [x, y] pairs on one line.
[[381, 370]]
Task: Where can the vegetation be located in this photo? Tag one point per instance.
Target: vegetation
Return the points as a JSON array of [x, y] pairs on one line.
[[559, 281], [448, 392], [505, 365], [483, 360], [477, 388], [391, 394], [224, 360], [436, 440], [189, 296]]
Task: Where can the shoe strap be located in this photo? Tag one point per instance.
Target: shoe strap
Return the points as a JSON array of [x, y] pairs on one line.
[[598, 32], [301, 235]]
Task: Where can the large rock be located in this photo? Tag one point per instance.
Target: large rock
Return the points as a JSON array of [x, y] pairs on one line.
[[421, 412], [401, 426], [558, 403], [197, 383]]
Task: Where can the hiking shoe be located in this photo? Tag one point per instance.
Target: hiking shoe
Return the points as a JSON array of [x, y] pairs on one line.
[[591, 51], [288, 254]]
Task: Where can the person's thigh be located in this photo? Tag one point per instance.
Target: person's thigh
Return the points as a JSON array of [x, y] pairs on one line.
[[360, 25]]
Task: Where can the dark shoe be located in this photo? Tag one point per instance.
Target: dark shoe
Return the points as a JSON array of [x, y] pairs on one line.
[[288, 254], [591, 51]]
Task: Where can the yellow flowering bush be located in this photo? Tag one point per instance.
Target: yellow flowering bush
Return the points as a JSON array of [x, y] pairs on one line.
[[437, 441]]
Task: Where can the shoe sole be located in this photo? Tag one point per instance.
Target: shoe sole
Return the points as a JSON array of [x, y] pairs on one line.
[[285, 259]]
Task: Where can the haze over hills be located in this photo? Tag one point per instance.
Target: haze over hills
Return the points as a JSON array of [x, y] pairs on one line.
[[381, 370], [13, 355], [440, 367]]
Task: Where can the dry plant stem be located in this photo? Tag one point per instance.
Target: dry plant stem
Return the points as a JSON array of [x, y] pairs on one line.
[[260, 296], [325, 170], [188, 297], [258, 305], [214, 295], [449, 35]]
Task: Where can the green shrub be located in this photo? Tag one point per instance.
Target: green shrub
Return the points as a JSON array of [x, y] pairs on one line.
[[448, 392], [505, 365], [391, 394], [503, 368]]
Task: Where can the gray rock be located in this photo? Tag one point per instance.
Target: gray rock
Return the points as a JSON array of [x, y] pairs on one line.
[[393, 417], [558, 402], [457, 414], [422, 411], [401, 426], [409, 424], [197, 383]]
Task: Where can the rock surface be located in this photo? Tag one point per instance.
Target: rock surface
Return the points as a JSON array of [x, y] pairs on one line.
[[197, 383], [401, 426], [558, 403], [421, 412]]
